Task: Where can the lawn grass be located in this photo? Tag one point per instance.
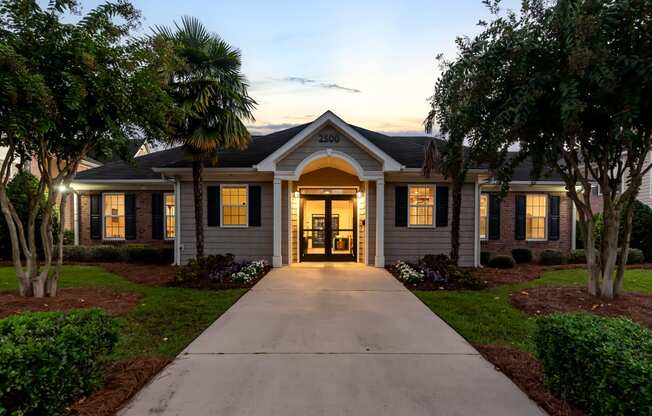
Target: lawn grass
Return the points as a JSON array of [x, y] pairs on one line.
[[165, 321], [487, 317]]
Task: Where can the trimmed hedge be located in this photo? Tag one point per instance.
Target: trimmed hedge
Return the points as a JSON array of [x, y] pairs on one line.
[[635, 256], [577, 257], [603, 365], [551, 257], [48, 360], [522, 255], [128, 253], [502, 262]]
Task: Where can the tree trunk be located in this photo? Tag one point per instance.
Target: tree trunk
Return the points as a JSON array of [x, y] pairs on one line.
[[609, 251], [53, 282], [455, 223], [197, 184]]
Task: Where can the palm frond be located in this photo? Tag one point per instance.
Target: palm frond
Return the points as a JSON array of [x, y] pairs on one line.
[[432, 159]]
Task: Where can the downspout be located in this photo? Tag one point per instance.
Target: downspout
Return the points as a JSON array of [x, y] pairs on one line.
[[177, 222]]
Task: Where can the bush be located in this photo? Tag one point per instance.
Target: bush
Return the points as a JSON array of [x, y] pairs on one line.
[[551, 257], [642, 229], [132, 253], [522, 255], [603, 365], [214, 267], [439, 268], [485, 256], [502, 262], [49, 360], [577, 257], [408, 274], [635, 256]]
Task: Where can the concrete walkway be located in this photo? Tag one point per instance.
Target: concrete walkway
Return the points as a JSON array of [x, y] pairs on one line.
[[330, 339]]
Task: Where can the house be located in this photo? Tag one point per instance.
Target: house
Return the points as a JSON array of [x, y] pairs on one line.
[[326, 190]]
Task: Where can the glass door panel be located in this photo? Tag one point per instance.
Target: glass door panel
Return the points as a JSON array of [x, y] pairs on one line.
[[342, 226], [314, 227], [328, 228]]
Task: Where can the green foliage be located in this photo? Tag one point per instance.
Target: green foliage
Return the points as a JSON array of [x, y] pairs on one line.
[[502, 262], [577, 257], [485, 256], [440, 266], [551, 257], [48, 360], [522, 255], [635, 256], [642, 229], [603, 365], [202, 268], [129, 253], [68, 237]]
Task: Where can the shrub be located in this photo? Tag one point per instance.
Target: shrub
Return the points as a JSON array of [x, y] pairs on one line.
[[635, 256], [502, 262], [603, 365], [409, 274], [216, 267], [485, 256], [136, 253], [441, 269], [48, 360], [577, 257], [522, 255], [132, 253], [551, 257], [642, 229], [249, 271]]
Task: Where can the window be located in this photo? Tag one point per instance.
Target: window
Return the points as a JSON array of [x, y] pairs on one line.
[[170, 219], [535, 217], [234, 206], [484, 216], [421, 206], [114, 216]]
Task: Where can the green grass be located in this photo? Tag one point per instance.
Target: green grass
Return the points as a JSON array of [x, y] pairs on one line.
[[164, 322], [487, 317]]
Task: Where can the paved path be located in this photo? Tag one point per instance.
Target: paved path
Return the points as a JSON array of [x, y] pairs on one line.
[[330, 339]]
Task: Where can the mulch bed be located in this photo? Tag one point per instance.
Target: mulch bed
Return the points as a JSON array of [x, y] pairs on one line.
[[520, 273], [527, 373], [123, 380], [216, 285], [146, 274], [547, 300], [427, 285], [111, 301]]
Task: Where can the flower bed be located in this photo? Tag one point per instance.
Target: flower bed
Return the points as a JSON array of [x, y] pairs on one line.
[[435, 272], [408, 274], [220, 272]]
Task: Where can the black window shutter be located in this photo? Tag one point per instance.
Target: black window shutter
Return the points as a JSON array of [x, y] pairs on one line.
[[254, 206], [400, 206], [494, 217], [213, 206], [96, 217], [130, 216], [520, 217], [553, 217], [442, 207], [157, 215]]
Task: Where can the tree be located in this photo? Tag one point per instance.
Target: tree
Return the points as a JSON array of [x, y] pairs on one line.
[[67, 89], [209, 88], [569, 82]]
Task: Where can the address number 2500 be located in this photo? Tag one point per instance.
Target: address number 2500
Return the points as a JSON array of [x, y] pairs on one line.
[[329, 138]]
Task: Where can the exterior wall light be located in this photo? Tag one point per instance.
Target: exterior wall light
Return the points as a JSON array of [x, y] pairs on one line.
[[297, 194], [359, 194]]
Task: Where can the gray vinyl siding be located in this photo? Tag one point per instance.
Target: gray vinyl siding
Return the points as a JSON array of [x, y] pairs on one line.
[[250, 243], [312, 145], [408, 244], [645, 193]]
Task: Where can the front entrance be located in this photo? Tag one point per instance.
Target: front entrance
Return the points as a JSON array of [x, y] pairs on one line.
[[328, 228]]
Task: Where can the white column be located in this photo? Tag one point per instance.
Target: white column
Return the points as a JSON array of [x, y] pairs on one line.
[[380, 223], [367, 260], [177, 222], [573, 225], [75, 216], [277, 259], [476, 225], [289, 222]]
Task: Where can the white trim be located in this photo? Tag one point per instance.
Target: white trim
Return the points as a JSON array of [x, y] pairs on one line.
[[234, 185], [269, 163], [277, 258], [289, 222], [573, 225], [165, 217], [75, 216], [380, 223], [128, 181], [298, 171], [434, 205], [103, 205], [366, 223], [476, 225], [177, 211]]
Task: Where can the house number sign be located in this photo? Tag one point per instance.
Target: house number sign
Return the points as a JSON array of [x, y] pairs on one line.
[[329, 138]]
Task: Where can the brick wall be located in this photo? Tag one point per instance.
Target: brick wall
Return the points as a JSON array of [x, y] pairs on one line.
[[508, 239], [143, 220]]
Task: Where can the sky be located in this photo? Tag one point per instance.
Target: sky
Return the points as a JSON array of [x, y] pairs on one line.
[[370, 62]]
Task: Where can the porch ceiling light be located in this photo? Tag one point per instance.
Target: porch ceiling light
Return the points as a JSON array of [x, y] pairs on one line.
[[359, 194], [297, 194]]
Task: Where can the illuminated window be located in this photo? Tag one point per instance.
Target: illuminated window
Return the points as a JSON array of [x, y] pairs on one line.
[[170, 219], [114, 216], [535, 217], [484, 215], [234, 206], [422, 203]]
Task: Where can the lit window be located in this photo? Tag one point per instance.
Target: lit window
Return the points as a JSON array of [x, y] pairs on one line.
[[484, 215], [234, 206], [535, 217], [114, 216], [170, 220], [422, 202]]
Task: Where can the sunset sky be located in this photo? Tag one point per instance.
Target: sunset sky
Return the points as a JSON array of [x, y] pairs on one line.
[[370, 62]]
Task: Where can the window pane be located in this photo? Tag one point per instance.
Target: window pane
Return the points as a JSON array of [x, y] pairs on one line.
[[421, 205], [484, 214], [114, 215], [170, 218], [535, 223], [234, 205]]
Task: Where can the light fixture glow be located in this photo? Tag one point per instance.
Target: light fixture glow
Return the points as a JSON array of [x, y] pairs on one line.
[[62, 188], [359, 194], [297, 194]]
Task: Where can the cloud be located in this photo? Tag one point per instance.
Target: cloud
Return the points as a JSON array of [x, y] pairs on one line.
[[319, 84], [262, 129]]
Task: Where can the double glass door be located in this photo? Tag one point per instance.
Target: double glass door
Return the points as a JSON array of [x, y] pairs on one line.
[[328, 228]]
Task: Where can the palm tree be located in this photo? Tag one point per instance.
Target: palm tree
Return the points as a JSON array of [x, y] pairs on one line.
[[211, 93]]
